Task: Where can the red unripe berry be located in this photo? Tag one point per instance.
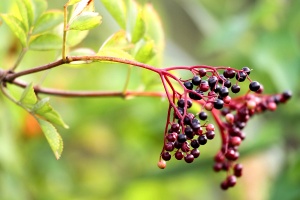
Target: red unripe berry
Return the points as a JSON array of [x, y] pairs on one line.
[[229, 118], [227, 99], [272, 106], [210, 127], [235, 141], [178, 155], [209, 106], [251, 104]]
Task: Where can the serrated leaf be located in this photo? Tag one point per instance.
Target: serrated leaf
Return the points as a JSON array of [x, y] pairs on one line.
[[48, 20], [85, 21], [45, 42], [145, 52], [117, 9], [16, 27], [115, 53], [45, 110], [39, 7], [53, 137], [117, 40], [28, 97], [139, 28]]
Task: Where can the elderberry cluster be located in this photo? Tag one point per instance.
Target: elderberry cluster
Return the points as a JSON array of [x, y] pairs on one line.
[[213, 91]]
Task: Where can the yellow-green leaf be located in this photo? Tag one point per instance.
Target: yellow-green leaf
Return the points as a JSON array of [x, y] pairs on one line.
[[29, 8], [28, 97], [45, 110], [117, 9], [74, 37], [53, 137], [139, 28], [16, 27], [45, 42], [72, 2], [48, 20], [117, 40], [23, 14], [85, 21], [145, 52]]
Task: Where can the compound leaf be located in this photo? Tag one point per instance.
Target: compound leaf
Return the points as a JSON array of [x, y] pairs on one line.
[[45, 42], [44, 109], [85, 21], [47, 21], [117, 9], [139, 28], [28, 97], [17, 27], [53, 137], [145, 52]]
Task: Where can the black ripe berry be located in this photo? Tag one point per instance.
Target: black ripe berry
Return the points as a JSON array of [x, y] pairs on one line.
[[241, 76], [181, 138], [166, 155], [202, 139], [212, 81], [254, 86], [210, 135], [235, 88], [287, 95], [188, 85], [196, 80], [181, 103], [202, 115], [195, 144], [223, 92], [218, 104], [246, 70], [227, 83]]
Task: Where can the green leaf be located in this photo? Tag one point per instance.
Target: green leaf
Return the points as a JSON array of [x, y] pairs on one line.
[[29, 8], [16, 27], [117, 9], [82, 6], [48, 21], [39, 7], [145, 52], [85, 21], [23, 14], [53, 137], [45, 42], [74, 37], [28, 97], [139, 28], [115, 53], [44, 109]]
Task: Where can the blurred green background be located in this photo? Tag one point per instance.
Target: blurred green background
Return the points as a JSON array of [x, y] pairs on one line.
[[112, 146]]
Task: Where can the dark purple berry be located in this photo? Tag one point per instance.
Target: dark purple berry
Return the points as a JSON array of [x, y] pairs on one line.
[[181, 138], [202, 115], [210, 135], [218, 166], [169, 146], [212, 81], [195, 153], [235, 89], [229, 73], [202, 72], [196, 80], [286, 95], [188, 85], [175, 127], [195, 144], [231, 181], [246, 70], [224, 185], [217, 89], [227, 83], [223, 92], [254, 86], [181, 103], [178, 155], [196, 95], [241, 76], [189, 132], [166, 155], [238, 170], [218, 104], [177, 144], [189, 158], [202, 139], [204, 87], [171, 137]]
